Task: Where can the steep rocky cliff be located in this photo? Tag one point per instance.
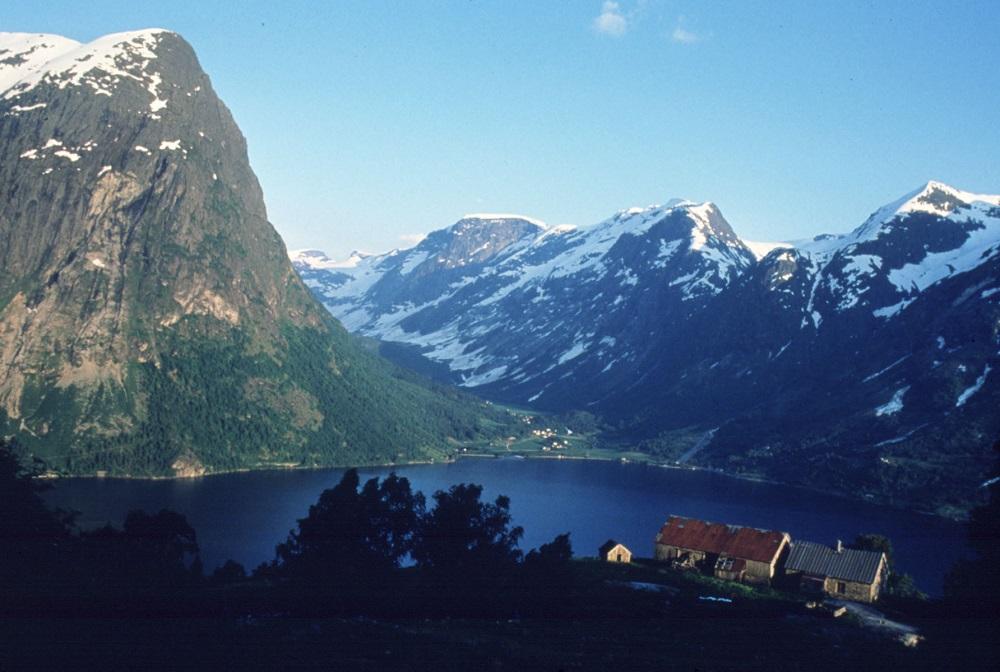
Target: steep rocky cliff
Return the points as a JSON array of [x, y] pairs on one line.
[[150, 321]]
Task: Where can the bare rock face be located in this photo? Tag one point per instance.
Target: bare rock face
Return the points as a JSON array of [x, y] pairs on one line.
[[149, 316]]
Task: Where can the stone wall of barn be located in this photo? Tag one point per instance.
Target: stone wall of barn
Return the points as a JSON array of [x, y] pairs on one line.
[[758, 572], [857, 592]]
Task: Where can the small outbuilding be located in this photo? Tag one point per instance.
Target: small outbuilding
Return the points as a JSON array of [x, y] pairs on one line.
[[612, 551], [837, 571]]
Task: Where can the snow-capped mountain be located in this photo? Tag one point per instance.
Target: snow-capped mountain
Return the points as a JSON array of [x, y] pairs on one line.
[[874, 350], [575, 304], [861, 363], [927, 236]]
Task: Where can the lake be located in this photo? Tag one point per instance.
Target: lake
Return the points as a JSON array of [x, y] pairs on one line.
[[243, 516]]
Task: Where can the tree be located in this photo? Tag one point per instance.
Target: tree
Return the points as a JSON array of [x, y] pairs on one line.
[[34, 540], [166, 536], [966, 637], [145, 566], [875, 542], [352, 532], [464, 534], [229, 572], [899, 584], [24, 517], [48, 566], [553, 556], [973, 585]]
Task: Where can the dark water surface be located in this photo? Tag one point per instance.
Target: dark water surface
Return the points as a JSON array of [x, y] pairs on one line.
[[243, 516]]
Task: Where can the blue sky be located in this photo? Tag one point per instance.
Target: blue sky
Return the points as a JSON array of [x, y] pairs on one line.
[[370, 122]]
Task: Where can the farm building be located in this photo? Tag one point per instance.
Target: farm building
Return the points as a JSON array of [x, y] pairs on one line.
[[836, 571], [612, 551], [732, 552]]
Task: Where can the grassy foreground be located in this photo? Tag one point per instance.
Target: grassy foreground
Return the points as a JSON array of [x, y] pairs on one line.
[[613, 622]]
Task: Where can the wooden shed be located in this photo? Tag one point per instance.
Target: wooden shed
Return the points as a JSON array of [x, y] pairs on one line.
[[837, 571], [730, 552], [612, 551]]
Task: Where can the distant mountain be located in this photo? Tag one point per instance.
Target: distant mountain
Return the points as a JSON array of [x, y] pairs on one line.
[[861, 363], [150, 320], [529, 313]]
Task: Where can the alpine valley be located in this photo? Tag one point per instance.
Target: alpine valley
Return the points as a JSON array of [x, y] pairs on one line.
[[150, 321], [864, 364]]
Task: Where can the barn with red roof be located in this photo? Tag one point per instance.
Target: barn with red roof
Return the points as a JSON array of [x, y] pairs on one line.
[[731, 552]]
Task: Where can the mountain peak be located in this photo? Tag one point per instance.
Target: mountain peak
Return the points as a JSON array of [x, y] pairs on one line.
[[28, 60], [501, 217], [640, 213], [318, 259], [934, 197], [476, 238]]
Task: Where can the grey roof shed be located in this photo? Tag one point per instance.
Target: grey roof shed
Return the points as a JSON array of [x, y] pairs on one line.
[[848, 564]]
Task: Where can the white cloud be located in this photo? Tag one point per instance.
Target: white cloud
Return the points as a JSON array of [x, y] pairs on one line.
[[611, 21], [411, 239], [684, 36]]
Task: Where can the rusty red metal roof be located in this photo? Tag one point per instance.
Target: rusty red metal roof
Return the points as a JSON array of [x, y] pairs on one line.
[[748, 543]]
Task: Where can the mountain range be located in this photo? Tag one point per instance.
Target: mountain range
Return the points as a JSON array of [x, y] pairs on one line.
[[861, 363], [150, 320]]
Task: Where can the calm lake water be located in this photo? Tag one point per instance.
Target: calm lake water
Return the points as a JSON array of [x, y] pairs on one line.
[[243, 516]]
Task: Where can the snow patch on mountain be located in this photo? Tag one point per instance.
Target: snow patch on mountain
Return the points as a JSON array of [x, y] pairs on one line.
[[893, 310], [894, 405], [839, 267], [29, 60], [412, 261], [317, 259], [972, 389], [579, 347], [666, 252], [762, 249], [888, 368], [982, 243], [24, 54], [497, 217], [935, 198]]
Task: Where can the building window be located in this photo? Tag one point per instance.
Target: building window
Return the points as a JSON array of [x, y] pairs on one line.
[[841, 587]]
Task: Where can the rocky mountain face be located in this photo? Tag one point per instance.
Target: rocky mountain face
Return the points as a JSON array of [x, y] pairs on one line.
[[863, 363], [150, 321], [529, 313]]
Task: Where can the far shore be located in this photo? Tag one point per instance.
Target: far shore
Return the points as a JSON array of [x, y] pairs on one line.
[[647, 461]]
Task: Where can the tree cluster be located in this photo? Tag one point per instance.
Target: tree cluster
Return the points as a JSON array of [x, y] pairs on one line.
[[378, 547], [151, 564], [374, 547]]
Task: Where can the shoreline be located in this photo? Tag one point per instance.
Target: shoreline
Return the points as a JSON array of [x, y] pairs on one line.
[[496, 456]]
